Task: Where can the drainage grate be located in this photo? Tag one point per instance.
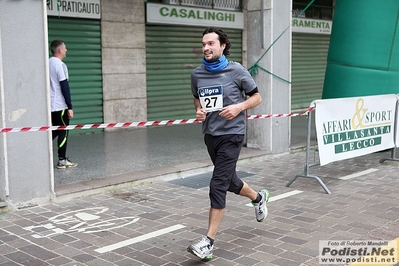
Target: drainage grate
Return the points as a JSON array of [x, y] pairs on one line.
[[201, 181], [130, 196]]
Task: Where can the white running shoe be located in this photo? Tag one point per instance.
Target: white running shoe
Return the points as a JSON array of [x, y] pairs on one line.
[[261, 208], [203, 249]]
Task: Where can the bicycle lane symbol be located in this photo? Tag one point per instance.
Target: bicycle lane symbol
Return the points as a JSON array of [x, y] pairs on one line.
[[84, 221]]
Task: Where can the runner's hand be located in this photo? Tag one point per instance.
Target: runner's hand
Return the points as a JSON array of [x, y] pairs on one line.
[[231, 111], [200, 114]]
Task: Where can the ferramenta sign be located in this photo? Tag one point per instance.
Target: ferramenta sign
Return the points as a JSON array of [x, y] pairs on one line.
[[315, 26], [77, 9], [183, 15]]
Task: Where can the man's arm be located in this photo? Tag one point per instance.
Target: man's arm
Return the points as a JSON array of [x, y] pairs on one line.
[[254, 100], [200, 113], [67, 96], [231, 111], [66, 92]]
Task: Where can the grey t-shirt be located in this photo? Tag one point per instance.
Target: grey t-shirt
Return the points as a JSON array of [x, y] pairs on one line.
[[231, 84]]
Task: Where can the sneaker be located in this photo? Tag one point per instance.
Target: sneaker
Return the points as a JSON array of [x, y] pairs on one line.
[[202, 249], [62, 164], [261, 208]]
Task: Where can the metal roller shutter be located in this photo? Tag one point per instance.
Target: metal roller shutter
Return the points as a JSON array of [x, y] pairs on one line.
[[83, 40], [172, 53], [309, 61]]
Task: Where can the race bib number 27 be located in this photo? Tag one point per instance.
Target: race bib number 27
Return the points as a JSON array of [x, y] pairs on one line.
[[211, 98]]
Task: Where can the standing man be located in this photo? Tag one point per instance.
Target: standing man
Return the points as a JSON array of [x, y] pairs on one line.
[[60, 97], [222, 91]]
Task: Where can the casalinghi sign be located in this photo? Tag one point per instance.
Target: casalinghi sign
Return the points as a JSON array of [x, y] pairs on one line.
[[183, 15]]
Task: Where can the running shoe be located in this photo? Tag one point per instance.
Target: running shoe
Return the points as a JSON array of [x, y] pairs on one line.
[[260, 207], [203, 249], [62, 164]]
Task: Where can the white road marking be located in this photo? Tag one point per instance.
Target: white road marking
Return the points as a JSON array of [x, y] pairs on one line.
[[285, 195], [139, 238], [365, 172], [281, 196], [175, 227]]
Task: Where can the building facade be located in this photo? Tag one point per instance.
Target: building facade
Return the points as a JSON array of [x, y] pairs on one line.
[[311, 30], [130, 60]]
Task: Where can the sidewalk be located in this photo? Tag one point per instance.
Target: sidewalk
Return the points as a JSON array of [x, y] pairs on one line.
[[152, 223], [128, 156]]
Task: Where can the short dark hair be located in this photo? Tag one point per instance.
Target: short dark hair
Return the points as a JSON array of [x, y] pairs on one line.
[[54, 45], [222, 38]]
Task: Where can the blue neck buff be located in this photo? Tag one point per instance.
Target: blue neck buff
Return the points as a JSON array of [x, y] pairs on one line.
[[216, 66]]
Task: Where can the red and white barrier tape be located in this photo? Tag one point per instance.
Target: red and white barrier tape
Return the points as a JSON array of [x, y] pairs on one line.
[[133, 124]]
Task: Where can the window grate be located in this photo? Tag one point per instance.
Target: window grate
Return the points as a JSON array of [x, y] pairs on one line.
[[320, 9], [235, 5]]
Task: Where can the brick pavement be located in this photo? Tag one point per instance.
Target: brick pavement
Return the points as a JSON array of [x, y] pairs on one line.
[[72, 232]]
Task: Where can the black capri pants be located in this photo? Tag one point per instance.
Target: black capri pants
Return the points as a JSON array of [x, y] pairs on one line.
[[224, 151]]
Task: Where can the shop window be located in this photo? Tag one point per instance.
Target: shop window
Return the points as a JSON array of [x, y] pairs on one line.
[[320, 9]]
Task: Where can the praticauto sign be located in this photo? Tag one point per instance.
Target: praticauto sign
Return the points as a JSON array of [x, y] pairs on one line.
[[77, 9], [183, 15]]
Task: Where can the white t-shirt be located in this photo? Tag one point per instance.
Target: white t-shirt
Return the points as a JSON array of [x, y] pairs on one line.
[[58, 72]]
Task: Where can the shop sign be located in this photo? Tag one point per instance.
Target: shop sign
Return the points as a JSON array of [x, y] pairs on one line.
[[77, 9], [305, 25], [183, 15]]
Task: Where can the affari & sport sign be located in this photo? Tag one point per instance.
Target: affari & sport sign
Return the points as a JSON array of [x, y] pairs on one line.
[[315, 26], [77, 9], [183, 15], [354, 126]]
